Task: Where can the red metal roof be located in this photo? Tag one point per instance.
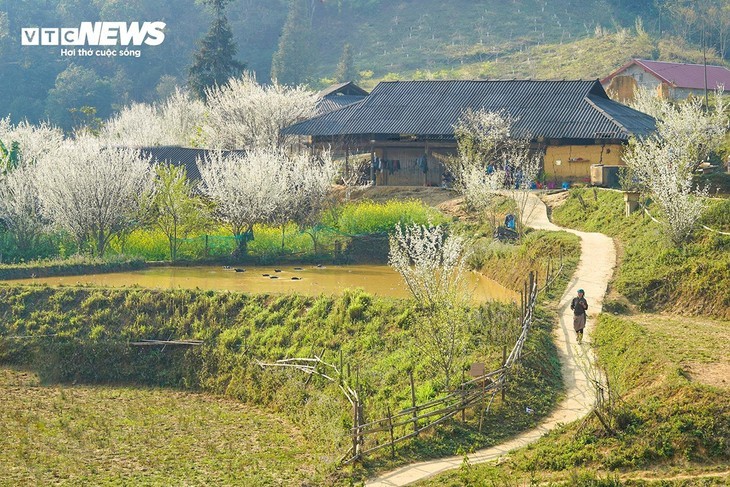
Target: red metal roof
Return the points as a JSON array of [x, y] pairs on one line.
[[680, 75]]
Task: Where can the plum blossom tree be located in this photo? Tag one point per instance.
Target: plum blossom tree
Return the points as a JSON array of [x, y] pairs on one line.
[[93, 191], [263, 186], [432, 264], [664, 163], [688, 126], [33, 141], [665, 172], [175, 121], [493, 160], [20, 209], [246, 114]]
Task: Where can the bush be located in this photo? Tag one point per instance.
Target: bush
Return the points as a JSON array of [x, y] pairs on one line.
[[369, 217]]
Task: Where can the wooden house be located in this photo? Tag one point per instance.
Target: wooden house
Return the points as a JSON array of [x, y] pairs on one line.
[[407, 127], [670, 80]]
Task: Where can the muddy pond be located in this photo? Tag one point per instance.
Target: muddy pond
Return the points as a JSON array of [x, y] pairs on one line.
[[307, 279]]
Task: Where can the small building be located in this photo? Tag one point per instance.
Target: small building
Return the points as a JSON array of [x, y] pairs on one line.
[[338, 96], [407, 127], [670, 80], [186, 157]]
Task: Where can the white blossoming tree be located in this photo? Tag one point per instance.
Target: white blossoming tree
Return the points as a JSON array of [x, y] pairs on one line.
[[245, 114], [20, 209], [687, 126], [175, 121], [92, 191], [492, 160], [23, 144], [263, 186], [33, 141], [664, 163], [432, 264]]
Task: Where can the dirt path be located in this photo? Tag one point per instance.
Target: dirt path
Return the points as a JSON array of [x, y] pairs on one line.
[[598, 258]]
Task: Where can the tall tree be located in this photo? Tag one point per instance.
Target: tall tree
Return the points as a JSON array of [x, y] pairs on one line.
[[214, 63], [346, 67], [91, 191], [244, 114], [293, 61], [78, 97], [176, 210]]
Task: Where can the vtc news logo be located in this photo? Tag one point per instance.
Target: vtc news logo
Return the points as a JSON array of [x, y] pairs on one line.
[[96, 34]]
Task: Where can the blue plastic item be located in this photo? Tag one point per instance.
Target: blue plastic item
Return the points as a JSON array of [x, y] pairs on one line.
[[566, 185]]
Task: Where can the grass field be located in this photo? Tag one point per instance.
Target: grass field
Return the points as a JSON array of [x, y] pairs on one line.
[[671, 419], [83, 435]]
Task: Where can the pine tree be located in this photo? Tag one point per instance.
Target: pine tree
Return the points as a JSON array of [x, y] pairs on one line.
[[292, 62], [214, 63], [346, 68]]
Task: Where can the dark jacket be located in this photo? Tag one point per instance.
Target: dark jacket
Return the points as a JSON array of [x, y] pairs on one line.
[[579, 306]]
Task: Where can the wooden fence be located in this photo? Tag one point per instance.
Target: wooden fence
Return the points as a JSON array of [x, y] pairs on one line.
[[396, 427]]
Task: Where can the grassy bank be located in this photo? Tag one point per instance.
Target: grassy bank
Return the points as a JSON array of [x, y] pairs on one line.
[[671, 420], [69, 267], [81, 435], [652, 274], [82, 335]]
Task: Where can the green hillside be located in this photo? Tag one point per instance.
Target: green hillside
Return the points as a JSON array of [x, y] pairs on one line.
[[389, 39]]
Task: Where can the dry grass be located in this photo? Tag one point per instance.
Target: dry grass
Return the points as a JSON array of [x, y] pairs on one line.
[[428, 195], [699, 345], [81, 435]]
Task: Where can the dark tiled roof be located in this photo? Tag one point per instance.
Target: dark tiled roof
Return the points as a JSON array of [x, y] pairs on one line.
[[180, 156], [348, 88], [338, 96], [430, 109], [333, 102], [680, 75]]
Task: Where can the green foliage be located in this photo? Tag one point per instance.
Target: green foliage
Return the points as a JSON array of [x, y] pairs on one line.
[[174, 209], [346, 67], [215, 61], [9, 157], [292, 63], [371, 217], [78, 93], [653, 274]]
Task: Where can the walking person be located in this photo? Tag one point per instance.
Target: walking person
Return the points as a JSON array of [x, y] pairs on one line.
[[579, 305]]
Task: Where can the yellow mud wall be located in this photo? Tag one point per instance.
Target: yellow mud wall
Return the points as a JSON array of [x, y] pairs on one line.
[[573, 162]]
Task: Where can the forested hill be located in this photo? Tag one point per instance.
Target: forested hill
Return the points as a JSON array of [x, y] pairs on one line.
[[389, 39]]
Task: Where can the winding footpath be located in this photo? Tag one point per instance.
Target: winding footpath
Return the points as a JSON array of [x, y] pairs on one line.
[[595, 268]]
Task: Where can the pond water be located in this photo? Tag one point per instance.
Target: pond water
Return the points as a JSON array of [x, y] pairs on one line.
[[307, 279]]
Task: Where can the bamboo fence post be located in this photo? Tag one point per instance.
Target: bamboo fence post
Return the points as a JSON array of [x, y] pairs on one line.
[[413, 403], [392, 439], [463, 402], [356, 429]]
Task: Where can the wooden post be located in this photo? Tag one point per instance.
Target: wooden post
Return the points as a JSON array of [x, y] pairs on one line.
[[526, 296], [504, 362], [463, 404], [413, 402], [392, 438], [522, 308], [356, 428]]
